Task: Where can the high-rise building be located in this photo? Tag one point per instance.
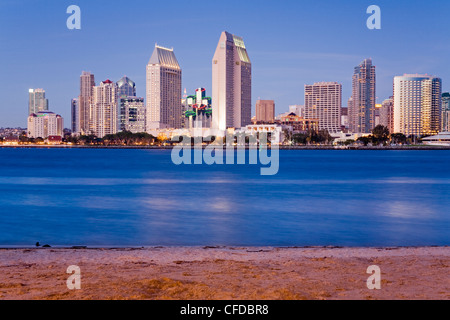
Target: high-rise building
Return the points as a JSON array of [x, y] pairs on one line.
[[104, 109], [323, 101], [37, 101], [75, 113], [362, 108], [417, 104], [231, 84], [265, 110], [126, 87], [164, 91], [387, 114], [44, 124], [132, 113], [87, 82], [344, 117], [299, 110], [445, 126]]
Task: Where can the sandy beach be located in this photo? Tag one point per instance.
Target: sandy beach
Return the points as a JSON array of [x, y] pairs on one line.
[[222, 273], [204, 273]]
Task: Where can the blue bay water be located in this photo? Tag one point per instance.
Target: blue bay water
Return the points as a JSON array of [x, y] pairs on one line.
[[129, 197]]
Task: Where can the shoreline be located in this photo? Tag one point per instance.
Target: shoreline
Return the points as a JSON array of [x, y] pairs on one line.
[[424, 147], [226, 273]]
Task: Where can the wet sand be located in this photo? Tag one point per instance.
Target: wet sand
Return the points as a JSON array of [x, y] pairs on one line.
[[241, 273]]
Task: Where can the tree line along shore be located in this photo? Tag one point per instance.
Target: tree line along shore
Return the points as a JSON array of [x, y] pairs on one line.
[[380, 138]]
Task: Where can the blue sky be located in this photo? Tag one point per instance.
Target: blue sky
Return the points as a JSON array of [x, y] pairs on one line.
[[290, 42]]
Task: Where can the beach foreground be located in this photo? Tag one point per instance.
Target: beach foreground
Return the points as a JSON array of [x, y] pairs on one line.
[[222, 273]]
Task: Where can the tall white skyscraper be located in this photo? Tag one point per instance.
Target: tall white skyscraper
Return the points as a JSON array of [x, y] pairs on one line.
[[104, 109], [163, 93], [417, 104], [87, 82], [323, 101], [37, 101], [231, 84]]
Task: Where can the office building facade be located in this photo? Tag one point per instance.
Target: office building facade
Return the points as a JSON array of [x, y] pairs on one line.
[[265, 111], [104, 109], [132, 114], [163, 92], [323, 101], [37, 101], [417, 104], [87, 83], [231, 84]]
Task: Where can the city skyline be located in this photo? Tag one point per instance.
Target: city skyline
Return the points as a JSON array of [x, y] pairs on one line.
[[280, 70]]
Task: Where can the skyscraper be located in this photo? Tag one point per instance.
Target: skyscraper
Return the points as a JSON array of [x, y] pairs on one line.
[[362, 108], [87, 82], [231, 84], [37, 101], [126, 87], [445, 126], [163, 95], [387, 114], [265, 110], [104, 109], [323, 101], [75, 114], [417, 104]]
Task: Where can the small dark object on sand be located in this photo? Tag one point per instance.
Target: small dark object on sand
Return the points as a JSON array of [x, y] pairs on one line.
[[38, 244], [46, 246]]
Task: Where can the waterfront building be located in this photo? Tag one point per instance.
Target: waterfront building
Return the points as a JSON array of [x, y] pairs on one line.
[[362, 105], [231, 84], [37, 101], [298, 124], [163, 92], [445, 126], [85, 123], [417, 104], [387, 114], [265, 110], [43, 124], [132, 114], [323, 101], [104, 109]]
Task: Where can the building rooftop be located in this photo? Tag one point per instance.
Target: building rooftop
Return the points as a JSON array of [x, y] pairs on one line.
[[164, 57]]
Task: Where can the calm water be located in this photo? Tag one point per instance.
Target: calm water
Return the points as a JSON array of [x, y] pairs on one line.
[[139, 198]]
